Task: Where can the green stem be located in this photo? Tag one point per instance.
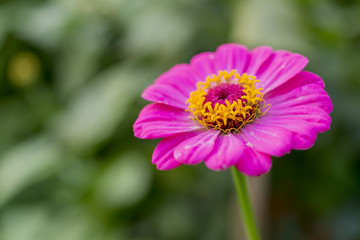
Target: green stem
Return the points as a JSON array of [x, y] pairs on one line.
[[245, 205]]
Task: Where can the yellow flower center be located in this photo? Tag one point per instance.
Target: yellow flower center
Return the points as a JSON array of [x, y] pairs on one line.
[[227, 101]]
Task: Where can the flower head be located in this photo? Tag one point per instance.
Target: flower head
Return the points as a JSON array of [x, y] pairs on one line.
[[235, 107]]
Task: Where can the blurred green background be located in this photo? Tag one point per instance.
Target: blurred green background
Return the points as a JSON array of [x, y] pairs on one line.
[[71, 75]]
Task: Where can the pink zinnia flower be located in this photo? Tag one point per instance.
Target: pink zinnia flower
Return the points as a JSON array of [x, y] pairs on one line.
[[235, 107]]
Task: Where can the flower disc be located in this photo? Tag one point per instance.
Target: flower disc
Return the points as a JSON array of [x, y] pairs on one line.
[[227, 101]]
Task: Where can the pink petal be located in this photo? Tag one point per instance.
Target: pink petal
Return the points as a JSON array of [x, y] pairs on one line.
[[163, 155], [279, 68], [227, 151], [203, 65], [258, 56], [165, 94], [159, 120], [173, 87], [304, 88], [272, 140], [196, 149], [303, 133], [232, 56], [302, 78], [317, 117], [254, 163], [183, 74]]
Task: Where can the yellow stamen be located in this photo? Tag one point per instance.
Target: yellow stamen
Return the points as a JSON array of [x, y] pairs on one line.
[[228, 117]]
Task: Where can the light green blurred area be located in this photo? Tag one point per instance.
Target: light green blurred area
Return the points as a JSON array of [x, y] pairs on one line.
[[71, 76]]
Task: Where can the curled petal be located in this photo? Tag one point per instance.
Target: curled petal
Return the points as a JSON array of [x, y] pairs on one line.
[[165, 94], [317, 117], [194, 150], [254, 163], [303, 133], [302, 106], [159, 120], [305, 88], [269, 139], [227, 151], [173, 87], [163, 156], [279, 68]]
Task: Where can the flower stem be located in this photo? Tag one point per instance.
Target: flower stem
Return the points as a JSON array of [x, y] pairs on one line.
[[245, 205]]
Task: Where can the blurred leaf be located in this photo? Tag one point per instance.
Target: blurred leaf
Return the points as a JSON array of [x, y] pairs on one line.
[[38, 223], [276, 23], [44, 25], [15, 122], [124, 182], [95, 112], [27, 163], [78, 58], [32, 220], [158, 29]]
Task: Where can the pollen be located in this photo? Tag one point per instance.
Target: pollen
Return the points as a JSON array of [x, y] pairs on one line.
[[227, 101]]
